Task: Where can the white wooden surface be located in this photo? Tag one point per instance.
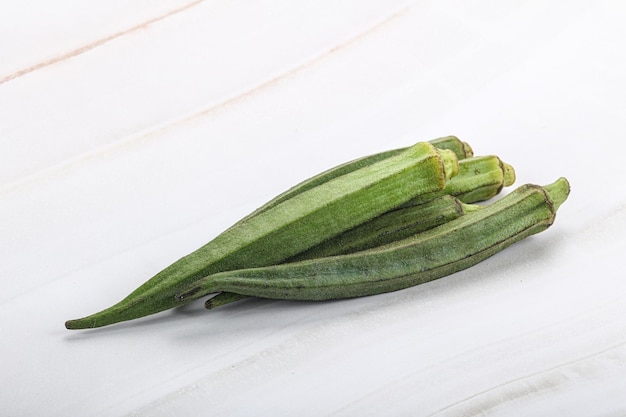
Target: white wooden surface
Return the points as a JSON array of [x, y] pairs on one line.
[[133, 132]]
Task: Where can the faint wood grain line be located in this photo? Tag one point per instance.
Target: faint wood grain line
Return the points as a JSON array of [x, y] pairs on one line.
[[97, 43], [546, 380], [298, 68], [171, 124]]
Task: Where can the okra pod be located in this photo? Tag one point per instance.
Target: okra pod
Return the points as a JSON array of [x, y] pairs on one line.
[[451, 247], [480, 178], [389, 227], [461, 149], [483, 177], [292, 226]]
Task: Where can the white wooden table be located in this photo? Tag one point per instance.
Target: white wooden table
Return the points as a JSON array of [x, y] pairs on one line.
[[131, 133]]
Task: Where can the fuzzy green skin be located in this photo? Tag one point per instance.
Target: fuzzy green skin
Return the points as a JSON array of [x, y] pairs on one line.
[[126, 309], [479, 179], [446, 249], [290, 227], [461, 149], [389, 227]]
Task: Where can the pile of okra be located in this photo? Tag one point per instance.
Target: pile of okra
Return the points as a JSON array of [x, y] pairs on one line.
[[377, 224]]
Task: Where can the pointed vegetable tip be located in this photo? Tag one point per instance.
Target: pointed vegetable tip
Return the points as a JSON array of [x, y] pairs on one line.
[[225, 298], [188, 294], [79, 324]]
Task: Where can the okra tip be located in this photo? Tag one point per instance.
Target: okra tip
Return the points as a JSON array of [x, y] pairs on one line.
[[88, 322], [76, 324], [222, 299], [557, 192], [211, 304], [188, 294]]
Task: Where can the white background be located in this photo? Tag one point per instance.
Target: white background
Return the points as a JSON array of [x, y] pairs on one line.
[[131, 133]]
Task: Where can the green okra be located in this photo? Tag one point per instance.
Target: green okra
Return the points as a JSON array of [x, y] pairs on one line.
[[292, 226], [451, 247], [461, 149], [489, 175], [480, 178], [397, 224], [389, 227]]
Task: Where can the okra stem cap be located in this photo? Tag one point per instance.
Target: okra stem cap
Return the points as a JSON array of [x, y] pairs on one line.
[[557, 192]]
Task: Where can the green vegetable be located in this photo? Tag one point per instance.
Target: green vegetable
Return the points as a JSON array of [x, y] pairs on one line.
[[479, 178], [461, 149], [389, 227], [441, 251], [292, 226]]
